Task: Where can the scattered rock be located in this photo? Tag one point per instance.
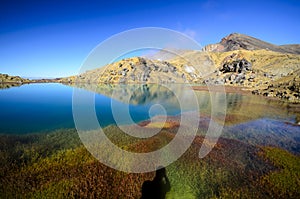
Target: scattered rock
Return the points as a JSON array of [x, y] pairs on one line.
[[165, 69], [232, 77], [251, 78], [255, 92]]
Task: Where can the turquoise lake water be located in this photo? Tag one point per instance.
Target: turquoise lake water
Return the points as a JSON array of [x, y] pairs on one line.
[[46, 107]]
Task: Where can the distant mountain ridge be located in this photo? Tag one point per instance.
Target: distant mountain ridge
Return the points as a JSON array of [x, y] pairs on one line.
[[236, 41]]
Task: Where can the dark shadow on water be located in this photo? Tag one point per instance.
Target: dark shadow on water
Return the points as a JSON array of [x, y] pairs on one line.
[[158, 187]]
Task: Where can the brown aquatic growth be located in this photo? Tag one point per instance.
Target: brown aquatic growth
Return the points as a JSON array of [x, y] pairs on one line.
[[39, 167]]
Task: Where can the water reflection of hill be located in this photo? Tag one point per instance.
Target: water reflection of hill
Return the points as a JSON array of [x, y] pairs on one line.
[[240, 108], [9, 85], [139, 94], [244, 108]]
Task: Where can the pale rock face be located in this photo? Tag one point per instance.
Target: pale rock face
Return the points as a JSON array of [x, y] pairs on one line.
[[189, 69], [213, 48]]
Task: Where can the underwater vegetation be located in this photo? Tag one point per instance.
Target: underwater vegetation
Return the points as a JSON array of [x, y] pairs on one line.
[[57, 165]]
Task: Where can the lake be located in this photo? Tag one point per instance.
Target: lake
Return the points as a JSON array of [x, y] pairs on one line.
[[39, 108], [45, 107], [43, 157]]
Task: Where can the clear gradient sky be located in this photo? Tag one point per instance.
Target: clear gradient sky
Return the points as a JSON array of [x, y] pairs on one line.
[[51, 38]]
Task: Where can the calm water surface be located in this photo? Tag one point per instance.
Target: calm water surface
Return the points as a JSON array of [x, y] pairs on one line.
[[46, 107]]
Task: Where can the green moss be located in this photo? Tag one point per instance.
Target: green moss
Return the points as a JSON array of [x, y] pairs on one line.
[[53, 190], [285, 181]]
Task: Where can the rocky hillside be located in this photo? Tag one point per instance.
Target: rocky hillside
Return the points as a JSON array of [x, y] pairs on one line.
[[237, 41], [139, 70], [5, 78], [263, 72], [7, 81]]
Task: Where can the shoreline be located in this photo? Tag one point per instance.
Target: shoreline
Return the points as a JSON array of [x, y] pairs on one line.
[[243, 91], [227, 89]]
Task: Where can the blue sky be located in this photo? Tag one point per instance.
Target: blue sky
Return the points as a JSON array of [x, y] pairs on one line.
[[52, 38]]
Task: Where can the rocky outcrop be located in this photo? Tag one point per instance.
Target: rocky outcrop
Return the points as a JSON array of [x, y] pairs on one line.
[[213, 48], [238, 41], [7, 81], [267, 73], [5, 78], [234, 70], [287, 88], [238, 66], [270, 74]]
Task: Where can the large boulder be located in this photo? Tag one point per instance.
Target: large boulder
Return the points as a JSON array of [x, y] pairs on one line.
[[240, 65]]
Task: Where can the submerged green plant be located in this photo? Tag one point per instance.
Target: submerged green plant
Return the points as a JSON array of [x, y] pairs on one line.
[[57, 165]]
